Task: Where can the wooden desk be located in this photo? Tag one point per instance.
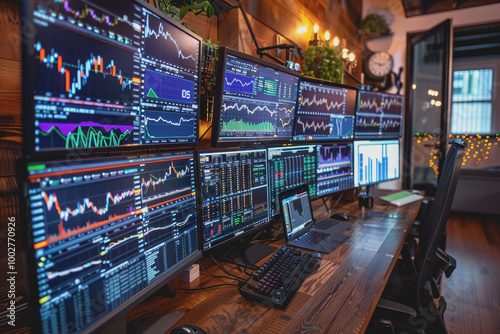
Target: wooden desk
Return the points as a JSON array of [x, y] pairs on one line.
[[340, 297]]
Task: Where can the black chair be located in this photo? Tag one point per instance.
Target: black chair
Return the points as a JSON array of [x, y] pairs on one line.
[[414, 310]]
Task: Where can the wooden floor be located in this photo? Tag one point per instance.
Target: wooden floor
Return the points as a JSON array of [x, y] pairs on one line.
[[473, 291]]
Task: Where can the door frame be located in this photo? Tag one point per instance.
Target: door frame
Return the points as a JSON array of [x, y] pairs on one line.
[[411, 39]]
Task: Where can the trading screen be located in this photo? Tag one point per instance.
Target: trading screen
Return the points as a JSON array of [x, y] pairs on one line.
[[104, 229], [289, 167], [325, 112], [117, 74], [379, 115], [234, 194], [258, 102], [335, 168], [375, 161]]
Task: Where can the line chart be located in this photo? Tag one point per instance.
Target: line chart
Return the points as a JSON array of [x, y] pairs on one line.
[[168, 124], [155, 181], [369, 105], [239, 84], [236, 106], [87, 134], [163, 43], [65, 220], [316, 125], [394, 105], [322, 101], [52, 275]]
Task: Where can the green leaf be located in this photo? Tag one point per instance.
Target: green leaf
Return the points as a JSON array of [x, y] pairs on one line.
[[210, 11], [183, 11], [198, 6]]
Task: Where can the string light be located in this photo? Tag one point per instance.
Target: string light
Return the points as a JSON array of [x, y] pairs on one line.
[[478, 148]]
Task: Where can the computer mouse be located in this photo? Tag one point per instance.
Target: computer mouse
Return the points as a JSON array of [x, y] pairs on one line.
[[340, 216], [187, 329]]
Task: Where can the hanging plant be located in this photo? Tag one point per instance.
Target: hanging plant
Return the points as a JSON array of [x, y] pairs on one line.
[[177, 9], [324, 62], [373, 25]]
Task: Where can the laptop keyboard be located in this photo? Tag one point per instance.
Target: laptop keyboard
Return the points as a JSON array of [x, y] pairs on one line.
[[325, 224], [311, 238]]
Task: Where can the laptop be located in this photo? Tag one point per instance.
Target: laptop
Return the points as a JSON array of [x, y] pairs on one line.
[[301, 230]]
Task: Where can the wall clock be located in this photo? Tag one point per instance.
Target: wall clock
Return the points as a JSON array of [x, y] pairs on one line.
[[378, 65]]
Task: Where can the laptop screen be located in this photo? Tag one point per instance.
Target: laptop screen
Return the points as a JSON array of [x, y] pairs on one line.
[[296, 213]]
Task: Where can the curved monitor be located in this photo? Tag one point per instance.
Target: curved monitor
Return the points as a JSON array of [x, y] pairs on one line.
[[379, 115], [99, 76], [105, 233], [375, 161], [233, 193], [254, 103], [325, 111]]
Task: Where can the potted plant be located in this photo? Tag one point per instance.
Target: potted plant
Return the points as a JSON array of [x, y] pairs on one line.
[[373, 25], [324, 62]]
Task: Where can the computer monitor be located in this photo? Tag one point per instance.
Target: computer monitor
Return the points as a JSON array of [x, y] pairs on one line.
[[254, 102], [375, 161], [335, 168], [101, 76], [102, 234], [379, 115], [289, 167], [233, 194], [325, 111]]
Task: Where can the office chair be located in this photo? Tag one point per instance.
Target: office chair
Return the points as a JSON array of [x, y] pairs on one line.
[[418, 312]]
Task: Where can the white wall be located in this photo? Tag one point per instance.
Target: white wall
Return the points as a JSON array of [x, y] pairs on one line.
[[400, 26], [396, 45]]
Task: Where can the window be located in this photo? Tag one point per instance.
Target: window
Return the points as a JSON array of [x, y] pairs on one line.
[[472, 102]]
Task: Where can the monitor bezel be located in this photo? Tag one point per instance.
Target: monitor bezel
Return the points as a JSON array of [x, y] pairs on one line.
[[28, 86], [357, 135], [218, 98], [335, 143], [200, 202], [375, 141], [325, 83], [117, 314]]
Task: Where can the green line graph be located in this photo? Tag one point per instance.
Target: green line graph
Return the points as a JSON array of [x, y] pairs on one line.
[[90, 138]]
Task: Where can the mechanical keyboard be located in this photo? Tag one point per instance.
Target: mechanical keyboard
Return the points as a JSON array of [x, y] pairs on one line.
[[277, 280]]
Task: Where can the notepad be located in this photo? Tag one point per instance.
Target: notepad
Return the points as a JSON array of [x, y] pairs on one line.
[[402, 198]]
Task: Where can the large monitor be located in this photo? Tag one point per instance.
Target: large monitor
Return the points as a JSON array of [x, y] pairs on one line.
[[379, 115], [335, 168], [289, 167], [102, 75], [325, 111], [234, 194], [255, 101], [375, 161], [104, 234]]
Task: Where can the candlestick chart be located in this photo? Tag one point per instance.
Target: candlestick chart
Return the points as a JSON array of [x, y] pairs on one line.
[[167, 182]]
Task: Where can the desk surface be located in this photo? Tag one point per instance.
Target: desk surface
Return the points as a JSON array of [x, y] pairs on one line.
[[340, 297]]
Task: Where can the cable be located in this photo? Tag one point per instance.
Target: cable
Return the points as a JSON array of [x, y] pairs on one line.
[[215, 276], [207, 287], [240, 279]]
